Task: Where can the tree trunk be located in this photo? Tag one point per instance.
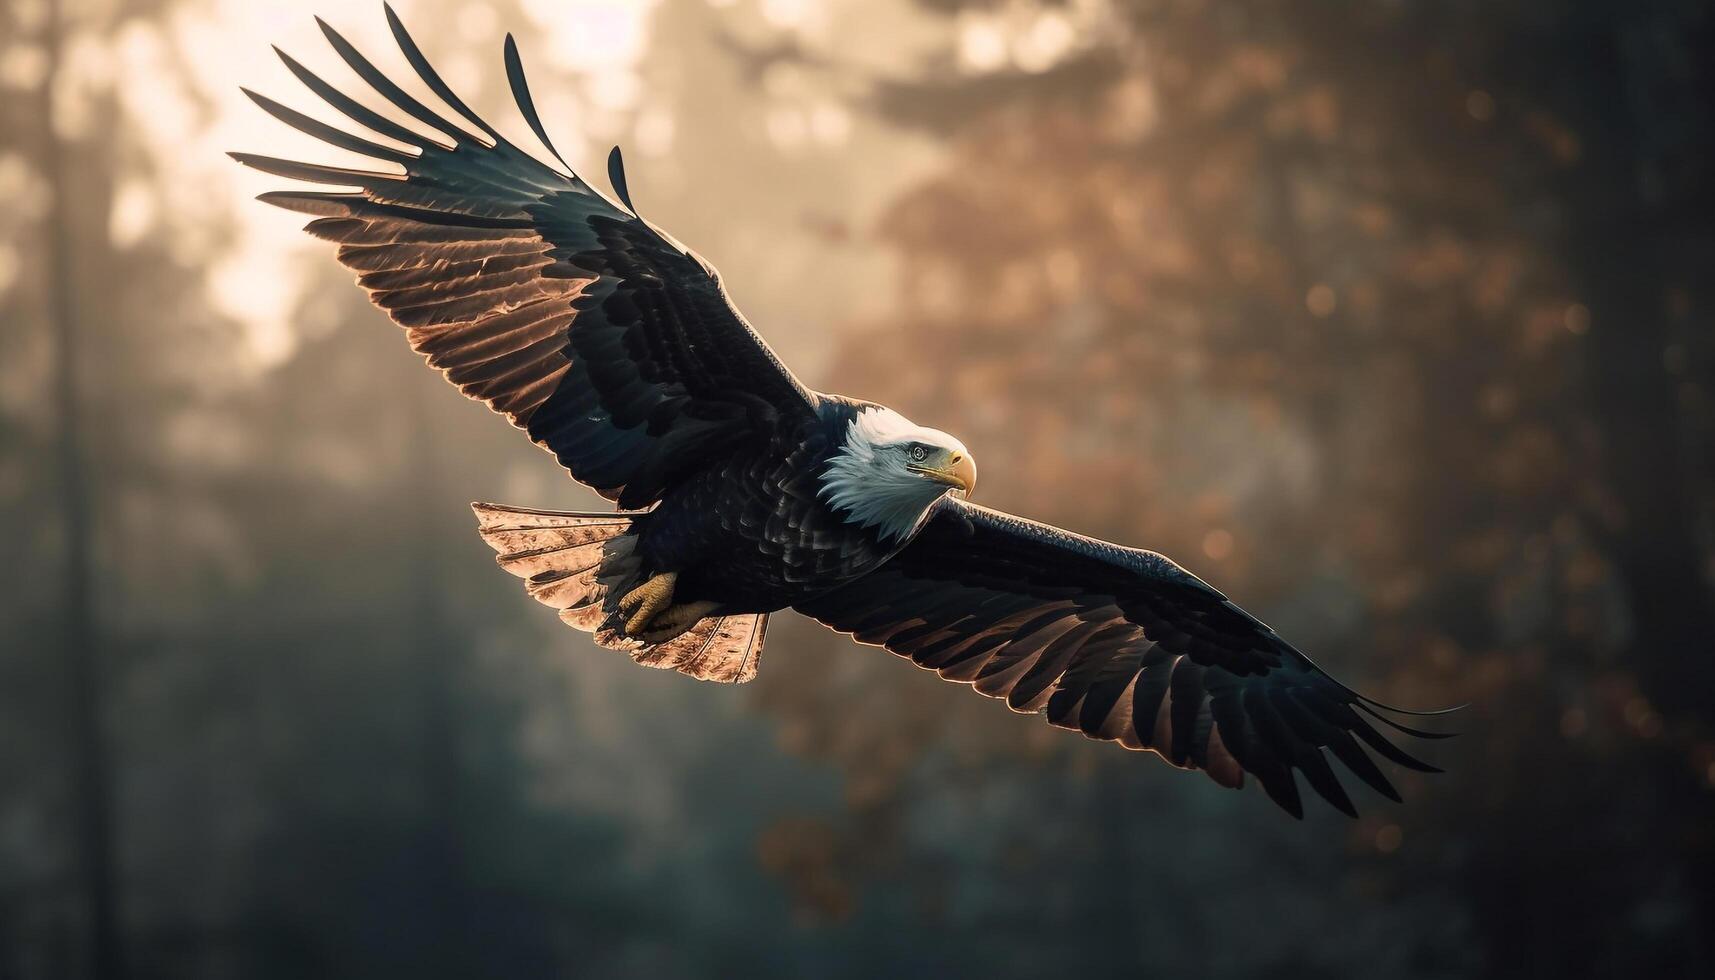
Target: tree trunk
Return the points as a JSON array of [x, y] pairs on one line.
[[1621, 248], [91, 770], [1628, 265], [437, 674]]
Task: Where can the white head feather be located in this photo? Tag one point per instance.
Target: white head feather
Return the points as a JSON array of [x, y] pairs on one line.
[[868, 478]]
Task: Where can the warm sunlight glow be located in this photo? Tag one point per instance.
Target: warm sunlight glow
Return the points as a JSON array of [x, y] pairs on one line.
[[134, 213], [8, 267], [593, 36], [982, 45]]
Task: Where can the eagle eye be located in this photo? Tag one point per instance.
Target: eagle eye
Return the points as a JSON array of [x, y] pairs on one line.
[[919, 453]]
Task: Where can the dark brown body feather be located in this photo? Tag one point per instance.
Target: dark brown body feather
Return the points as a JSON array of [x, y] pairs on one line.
[[751, 531]]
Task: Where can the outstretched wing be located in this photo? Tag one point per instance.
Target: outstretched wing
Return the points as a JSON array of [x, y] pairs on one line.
[[1117, 643], [609, 343]]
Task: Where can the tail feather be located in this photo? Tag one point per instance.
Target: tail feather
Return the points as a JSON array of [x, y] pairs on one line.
[[724, 649], [565, 588], [586, 618], [568, 561], [580, 564]]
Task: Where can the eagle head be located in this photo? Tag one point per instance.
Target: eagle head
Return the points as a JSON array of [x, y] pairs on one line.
[[890, 470]]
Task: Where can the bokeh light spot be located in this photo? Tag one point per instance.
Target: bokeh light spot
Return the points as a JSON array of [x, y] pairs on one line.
[[1389, 838], [1481, 105], [1218, 544], [1321, 300]]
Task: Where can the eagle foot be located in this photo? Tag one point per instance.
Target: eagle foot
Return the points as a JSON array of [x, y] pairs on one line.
[[674, 620], [643, 603]]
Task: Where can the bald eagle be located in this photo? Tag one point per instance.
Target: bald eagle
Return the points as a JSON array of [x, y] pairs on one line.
[[742, 492]]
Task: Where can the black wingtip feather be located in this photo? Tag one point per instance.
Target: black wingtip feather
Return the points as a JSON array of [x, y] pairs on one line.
[[327, 134], [521, 95], [616, 177], [316, 173], [1387, 749], [1321, 777], [1404, 729], [1361, 765], [1283, 790], [354, 110], [431, 78], [1300, 750], [1373, 703], [384, 87]]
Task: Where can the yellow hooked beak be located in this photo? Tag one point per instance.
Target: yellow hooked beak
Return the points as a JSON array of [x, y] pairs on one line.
[[955, 469]]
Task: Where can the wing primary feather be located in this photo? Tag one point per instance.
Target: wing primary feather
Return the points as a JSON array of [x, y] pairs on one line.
[[431, 78], [1387, 749], [1353, 694], [1405, 729], [327, 134], [527, 105], [357, 207], [616, 177], [1271, 766], [389, 91], [326, 204], [1373, 703], [1278, 783], [1321, 778], [1356, 696], [312, 171], [1287, 718], [353, 109], [1305, 734], [1348, 752]]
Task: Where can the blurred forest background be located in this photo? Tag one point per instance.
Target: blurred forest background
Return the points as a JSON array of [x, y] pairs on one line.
[[1392, 319]]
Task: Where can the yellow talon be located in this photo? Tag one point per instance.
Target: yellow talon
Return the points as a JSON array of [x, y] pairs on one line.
[[643, 603]]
